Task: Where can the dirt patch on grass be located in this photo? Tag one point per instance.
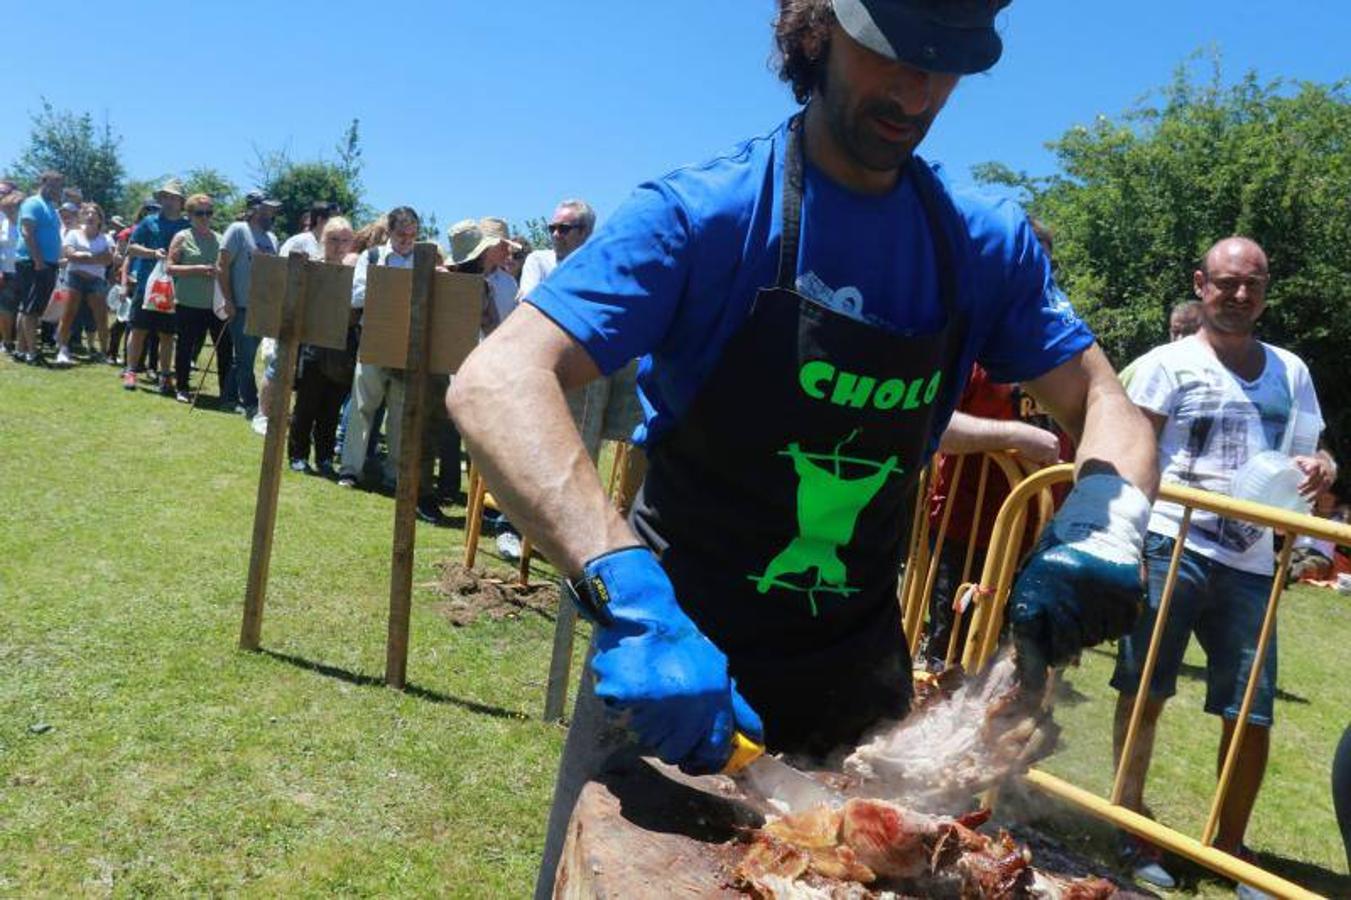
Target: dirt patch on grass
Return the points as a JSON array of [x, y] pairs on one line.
[[470, 593]]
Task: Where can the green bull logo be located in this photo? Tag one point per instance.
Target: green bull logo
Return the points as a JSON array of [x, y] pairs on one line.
[[829, 503], [823, 381]]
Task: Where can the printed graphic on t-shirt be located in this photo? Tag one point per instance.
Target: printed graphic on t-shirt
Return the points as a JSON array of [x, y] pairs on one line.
[[1225, 433]]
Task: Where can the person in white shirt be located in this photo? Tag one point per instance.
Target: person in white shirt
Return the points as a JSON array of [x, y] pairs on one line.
[[1216, 399], [87, 253], [9, 245], [373, 385], [310, 238], [501, 284], [569, 227]]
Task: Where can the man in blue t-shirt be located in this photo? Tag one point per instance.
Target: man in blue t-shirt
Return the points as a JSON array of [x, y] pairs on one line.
[[148, 246], [805, 309], [35, 262]]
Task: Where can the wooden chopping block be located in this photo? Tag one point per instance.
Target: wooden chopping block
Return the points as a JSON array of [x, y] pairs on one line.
[[650, 833]]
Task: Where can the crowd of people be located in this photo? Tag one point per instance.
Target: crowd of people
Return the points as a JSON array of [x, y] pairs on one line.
[[80, 288]]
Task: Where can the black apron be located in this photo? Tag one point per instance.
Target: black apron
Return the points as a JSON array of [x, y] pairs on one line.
[[778, 502]]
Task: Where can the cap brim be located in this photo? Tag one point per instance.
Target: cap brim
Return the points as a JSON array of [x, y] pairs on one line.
[[906, 36]]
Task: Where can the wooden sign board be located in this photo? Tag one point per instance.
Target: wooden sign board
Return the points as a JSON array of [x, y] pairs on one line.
[[456, 313], [328, 301]]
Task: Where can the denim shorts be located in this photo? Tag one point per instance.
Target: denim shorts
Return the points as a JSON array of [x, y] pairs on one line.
[[86, 284], [1224, 606]]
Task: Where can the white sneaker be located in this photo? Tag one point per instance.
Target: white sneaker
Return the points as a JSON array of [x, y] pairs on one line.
[[63, 357], [509, 545], [259, 424], [1155, 874]]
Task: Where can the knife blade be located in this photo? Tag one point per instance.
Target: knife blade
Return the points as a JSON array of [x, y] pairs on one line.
[[775, 781]]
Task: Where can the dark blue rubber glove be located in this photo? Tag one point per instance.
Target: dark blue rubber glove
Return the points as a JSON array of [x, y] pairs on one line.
[[1083, 583], [652, 662]]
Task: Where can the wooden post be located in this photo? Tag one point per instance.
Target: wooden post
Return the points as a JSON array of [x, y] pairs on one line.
[[274, 449], [410, 464], [560, 663]]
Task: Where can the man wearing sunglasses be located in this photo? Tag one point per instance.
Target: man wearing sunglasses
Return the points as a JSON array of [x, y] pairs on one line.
[[806, 308], [569, 227]]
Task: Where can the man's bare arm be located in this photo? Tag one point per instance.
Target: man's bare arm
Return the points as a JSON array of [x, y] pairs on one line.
[[974, 434], [508, 402], [30, 240], [1113, 435]]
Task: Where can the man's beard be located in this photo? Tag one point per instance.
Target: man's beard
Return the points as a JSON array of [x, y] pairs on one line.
[[854, 132]]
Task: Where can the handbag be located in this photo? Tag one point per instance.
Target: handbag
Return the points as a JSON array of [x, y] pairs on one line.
[[56, 304], [159, 290], [218, 303]]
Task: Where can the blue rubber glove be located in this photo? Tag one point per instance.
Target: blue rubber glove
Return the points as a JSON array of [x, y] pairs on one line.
[[652, 662], [1083, 583]]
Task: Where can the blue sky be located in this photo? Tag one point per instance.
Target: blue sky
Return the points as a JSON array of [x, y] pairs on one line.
[[472, 109]]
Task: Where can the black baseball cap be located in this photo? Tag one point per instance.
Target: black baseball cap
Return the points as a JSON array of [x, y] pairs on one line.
[[254, 199], [323, 208], [953, 36]]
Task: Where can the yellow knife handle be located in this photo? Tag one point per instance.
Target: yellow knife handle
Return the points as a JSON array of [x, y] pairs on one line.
[[744, 752]]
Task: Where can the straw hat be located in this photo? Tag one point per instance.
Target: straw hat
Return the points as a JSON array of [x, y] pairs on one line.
[[497, 229], [467, 242], [173, 187]]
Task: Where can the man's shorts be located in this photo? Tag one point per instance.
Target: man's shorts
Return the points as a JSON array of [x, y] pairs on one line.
[[1224, 607], [33, 288], [149, 319], [9, 295]]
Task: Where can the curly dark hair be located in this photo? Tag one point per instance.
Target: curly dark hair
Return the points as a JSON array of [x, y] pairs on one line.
[[802, 36]]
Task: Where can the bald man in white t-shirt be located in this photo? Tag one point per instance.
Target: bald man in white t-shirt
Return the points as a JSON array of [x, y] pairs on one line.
[[1216, 399]]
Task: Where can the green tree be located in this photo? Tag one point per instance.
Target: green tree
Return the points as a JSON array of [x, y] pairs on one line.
[[89, 156], [1139, 199], [297, 185], [537, 230]]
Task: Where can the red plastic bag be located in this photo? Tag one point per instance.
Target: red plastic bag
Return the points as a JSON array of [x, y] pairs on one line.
[[159, 290]]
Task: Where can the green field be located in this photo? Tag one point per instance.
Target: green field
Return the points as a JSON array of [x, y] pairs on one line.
[[142, 754]]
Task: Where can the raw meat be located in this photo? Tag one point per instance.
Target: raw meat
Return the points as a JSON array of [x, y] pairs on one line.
[[885, 847]]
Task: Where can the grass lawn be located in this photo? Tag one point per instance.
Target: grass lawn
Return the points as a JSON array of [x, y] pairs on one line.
[[1293, 828], [175, 764], [142, 754]]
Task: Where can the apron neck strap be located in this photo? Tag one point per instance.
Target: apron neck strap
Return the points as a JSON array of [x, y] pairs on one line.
[[792, 207], [792, 219], [942, 241]]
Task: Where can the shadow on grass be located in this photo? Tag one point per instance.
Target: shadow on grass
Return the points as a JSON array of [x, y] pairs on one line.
[[1317, 879], [1198, 674], [1098, 839], [421, 693]]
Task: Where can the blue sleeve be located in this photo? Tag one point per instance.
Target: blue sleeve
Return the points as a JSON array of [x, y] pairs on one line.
[[618, 293], [1036, 328], [141, 234]]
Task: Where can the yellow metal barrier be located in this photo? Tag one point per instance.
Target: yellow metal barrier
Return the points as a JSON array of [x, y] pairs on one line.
[[992, 594], [923, 558]]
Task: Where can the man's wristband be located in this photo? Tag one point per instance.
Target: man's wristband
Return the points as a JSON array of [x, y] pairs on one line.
[[589, 593]]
